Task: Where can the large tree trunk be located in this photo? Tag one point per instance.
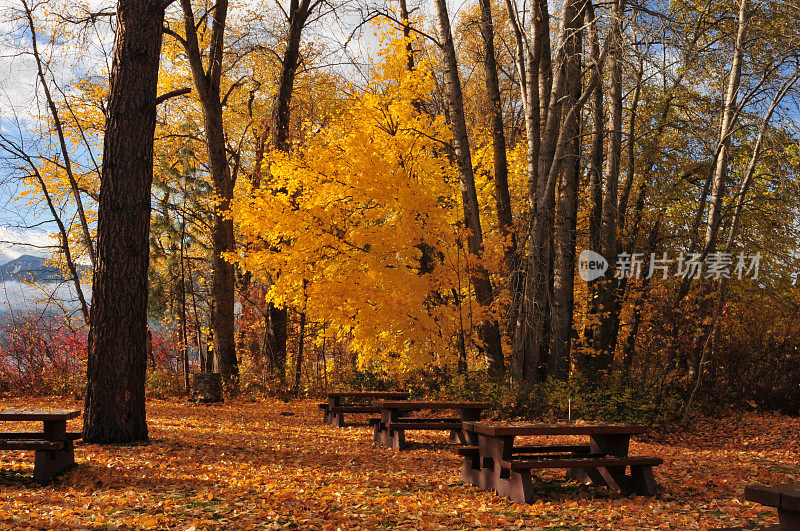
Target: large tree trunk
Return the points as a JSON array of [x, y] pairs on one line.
[[489, 331], [603, 342], [207, 80], [595, 174], [744, 187], [115, 398], [502, 197], [596, 155], [527, 61], [554, 142], [566, 216]]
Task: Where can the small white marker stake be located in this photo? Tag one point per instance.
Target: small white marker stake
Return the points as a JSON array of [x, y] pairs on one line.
[[569, 409]]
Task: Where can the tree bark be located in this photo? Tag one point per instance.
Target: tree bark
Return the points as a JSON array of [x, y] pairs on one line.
[[554, 142], [567, 215], [527, 61], [298, 366], [278, 317], [488, 331], [115, 395], [502, 197], [603, 343], [595, 171]]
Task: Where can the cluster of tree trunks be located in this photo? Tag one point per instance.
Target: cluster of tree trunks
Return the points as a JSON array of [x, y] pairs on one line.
[[580, 69]]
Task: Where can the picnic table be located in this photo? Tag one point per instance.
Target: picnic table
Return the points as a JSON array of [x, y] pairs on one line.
[[334, 409], [495, 463], [54, 446], [786, 498], [391, 427]]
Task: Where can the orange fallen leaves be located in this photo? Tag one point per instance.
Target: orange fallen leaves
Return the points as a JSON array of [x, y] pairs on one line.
[[243, 465]]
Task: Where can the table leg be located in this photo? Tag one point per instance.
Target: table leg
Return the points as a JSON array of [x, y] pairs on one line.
[[613, 477], [515, 484], [395, 438], [327, 417], [49, 463], [471, 467], [335, 419], [788, 519], [468, 438], [644, 484]]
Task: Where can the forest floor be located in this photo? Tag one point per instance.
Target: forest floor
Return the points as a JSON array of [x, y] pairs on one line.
[[252, 465]]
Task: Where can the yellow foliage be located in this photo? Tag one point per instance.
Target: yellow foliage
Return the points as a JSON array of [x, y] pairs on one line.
[[346, 223]]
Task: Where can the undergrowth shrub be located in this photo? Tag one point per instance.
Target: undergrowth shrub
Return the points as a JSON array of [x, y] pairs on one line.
[[620, 399]]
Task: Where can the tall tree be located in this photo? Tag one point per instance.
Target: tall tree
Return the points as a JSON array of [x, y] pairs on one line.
[[533, 344], [603, 340], [207, 80], [725, 130], [298, 16], [714, 191], [502, 197], [489, 331], [562, 305], [115, 406]]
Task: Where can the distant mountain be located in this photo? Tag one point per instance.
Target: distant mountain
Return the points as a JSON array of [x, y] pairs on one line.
[[29, 268]]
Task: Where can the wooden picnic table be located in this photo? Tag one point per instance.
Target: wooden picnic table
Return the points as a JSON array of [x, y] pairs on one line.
[[494, 463], [334, 408], [54, 446], [391, 427], [786, 498]]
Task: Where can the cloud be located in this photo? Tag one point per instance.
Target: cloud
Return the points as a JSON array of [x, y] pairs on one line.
[[67, 57], [14, 243]]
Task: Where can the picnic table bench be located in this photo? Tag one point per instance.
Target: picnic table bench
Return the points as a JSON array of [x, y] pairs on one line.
[[334, 409], [786, 498], [494, 463], [54, 445], [390, 429]]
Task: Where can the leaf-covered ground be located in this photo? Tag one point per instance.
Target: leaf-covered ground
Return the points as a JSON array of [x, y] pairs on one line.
[[247, 465]]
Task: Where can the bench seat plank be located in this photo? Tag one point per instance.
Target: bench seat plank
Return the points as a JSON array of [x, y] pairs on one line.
[[425, 419], [38, 414], [552, 448], [572, 449], [786, 496], [495, 430], [354, 409], [580, 462], [70, 435], [22, 444]]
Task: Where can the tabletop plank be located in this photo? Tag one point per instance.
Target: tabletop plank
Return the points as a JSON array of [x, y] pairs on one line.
[[411, 406], [499, 430], [38, 414], [786, 496]]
